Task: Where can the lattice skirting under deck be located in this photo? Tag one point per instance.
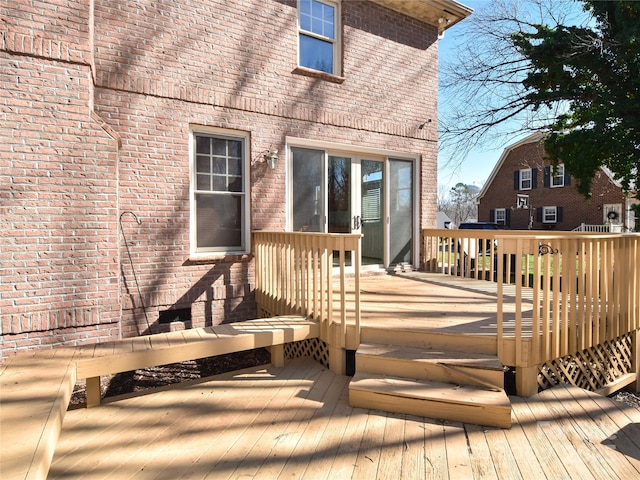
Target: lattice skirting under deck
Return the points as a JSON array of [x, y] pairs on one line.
[[312, 347], [590, 369]]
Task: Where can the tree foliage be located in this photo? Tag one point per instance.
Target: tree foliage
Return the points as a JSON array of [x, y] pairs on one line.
[[460, 203], [578, 81]]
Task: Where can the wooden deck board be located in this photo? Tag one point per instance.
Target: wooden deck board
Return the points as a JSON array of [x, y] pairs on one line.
[[423, 301], [295, 422]]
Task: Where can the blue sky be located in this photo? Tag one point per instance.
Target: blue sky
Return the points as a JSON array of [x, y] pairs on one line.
[[478, 165]]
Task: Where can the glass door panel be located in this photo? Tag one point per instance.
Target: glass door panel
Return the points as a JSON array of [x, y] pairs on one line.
[[308, 190], [400, 211], [339, 193], [371, 219]]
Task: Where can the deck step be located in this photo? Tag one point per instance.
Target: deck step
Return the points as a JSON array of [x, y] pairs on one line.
[[432, 364], [487, 345], [459, 403]]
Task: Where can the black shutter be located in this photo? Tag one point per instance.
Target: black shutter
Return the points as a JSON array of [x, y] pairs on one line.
[[547, 176], [507, 217], [492, 215], [534, 178], [516, 180], [567, 178], [558, 214], [539, 214]]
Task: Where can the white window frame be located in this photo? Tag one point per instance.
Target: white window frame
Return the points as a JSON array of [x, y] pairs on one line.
[[522, 201], [245, 246], [335, 42], [523, 180], [549, 214], [557, 175], [500, 216]]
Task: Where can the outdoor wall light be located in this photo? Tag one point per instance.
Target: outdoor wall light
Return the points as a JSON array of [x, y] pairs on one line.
[[271, 157]]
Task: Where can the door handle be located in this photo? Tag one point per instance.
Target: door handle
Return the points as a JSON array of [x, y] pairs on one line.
[[357, 222]]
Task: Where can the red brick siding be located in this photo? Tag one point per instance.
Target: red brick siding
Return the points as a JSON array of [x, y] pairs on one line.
[[576, 209], [158, 70], [59, 208]]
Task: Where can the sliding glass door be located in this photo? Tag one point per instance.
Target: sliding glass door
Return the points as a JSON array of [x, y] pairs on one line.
[[344, 193]]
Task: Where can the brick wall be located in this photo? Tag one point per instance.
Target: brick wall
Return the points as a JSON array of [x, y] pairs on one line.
[[576, 209], [157, 70], [58, 197]]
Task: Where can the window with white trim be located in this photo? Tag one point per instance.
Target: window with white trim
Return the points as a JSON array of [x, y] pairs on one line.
[[525, 179], [549, 214], [219, 200], [557, 176], [500, 216], [318, 39]]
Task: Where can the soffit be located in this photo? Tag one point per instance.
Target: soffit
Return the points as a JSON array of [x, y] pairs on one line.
[[440, 13]]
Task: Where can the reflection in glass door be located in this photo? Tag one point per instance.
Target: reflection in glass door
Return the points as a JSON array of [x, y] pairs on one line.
[[400, 211], [339, 193], [371, 221]]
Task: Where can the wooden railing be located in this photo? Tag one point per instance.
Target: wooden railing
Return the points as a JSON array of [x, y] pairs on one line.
[[585, 290], [305, 274], [465, 253], [566, 291]]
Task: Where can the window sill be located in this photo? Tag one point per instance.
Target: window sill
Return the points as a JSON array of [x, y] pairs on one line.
[[214, 257], [308, 72]]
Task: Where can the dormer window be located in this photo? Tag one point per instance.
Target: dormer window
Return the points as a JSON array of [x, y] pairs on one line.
[[319, 45]]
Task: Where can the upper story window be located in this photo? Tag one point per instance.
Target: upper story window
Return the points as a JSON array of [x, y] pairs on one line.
[[319, 46], [500, 216], [525, 179], [557, 177], [219, 200]]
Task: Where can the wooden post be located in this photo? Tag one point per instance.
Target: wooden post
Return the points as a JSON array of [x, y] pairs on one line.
[[277, 355], [93, 392], [526, 381], [337, 360]]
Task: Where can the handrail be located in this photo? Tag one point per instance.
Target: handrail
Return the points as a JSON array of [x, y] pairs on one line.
[[295, 276], [585, 291], [567, 291]]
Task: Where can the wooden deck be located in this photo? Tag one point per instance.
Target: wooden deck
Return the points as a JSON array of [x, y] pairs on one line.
[[431, 301], [295, 422]]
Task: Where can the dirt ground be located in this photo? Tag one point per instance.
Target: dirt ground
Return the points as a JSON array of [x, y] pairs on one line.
[[154, 377]]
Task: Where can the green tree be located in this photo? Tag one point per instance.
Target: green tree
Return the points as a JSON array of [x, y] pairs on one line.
[[549, 69], [596, 72]]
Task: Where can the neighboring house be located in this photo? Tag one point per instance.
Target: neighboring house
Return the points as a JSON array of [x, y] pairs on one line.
[[525, 192], [143, 142]]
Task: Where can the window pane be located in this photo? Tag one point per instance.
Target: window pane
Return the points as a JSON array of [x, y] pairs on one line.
[[235, 184], [235, 166], [219, 165], [220, 183], [203, 164], [203, 182], [219, 146], [235, 148], [203, 145], [219, 221], [316, 54]]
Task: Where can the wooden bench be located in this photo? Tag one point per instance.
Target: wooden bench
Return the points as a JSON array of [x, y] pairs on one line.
[[35, 387]]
